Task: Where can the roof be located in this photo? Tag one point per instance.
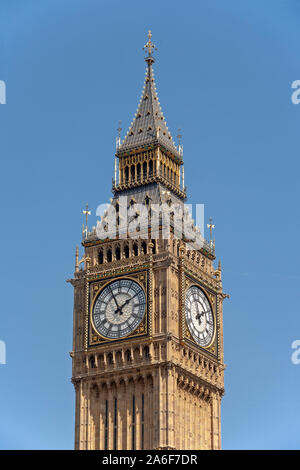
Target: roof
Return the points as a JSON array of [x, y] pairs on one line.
[[149, 125]]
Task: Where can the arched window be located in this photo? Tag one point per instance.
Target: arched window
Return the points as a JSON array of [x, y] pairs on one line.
[[132, 173], [109, 255], [101, 360], [110, 359], [135, 249], [150, 168], [118, 253], [138, 169], [126, 174], [145, 170], [92, 362], [128, 355], [126, 251], [119, 357], [100, 257], [144, 247], [136, 354], [146, 352]]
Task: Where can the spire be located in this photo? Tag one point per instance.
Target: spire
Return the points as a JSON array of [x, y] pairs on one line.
[[149, 125]]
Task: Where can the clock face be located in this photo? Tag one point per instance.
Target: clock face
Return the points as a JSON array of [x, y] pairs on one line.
[[119, 309], [199, 316]]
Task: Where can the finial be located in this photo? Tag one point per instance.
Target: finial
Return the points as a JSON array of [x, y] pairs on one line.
[[76, 260], [211, 226], [118, 138], [218, 272], [180, 146], [87, 262], [149, 46], [86, 212]]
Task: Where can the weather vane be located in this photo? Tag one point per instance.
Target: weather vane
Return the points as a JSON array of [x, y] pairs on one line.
[[149, 46]]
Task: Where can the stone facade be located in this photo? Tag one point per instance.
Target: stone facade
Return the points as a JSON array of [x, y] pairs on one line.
[[179, 384]]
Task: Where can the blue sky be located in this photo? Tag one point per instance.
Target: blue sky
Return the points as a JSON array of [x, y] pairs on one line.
[[73, 69]]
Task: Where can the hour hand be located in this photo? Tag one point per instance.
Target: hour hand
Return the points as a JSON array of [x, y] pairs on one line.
[[199, 315], [119, 309]]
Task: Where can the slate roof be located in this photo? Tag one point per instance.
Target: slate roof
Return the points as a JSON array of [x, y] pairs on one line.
[[149, 125]]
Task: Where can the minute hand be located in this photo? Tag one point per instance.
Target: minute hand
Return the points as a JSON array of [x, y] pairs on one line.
[[114, 298]]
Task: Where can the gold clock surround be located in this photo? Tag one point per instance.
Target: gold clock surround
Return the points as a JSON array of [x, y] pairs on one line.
[[212, 347], [96, 287]]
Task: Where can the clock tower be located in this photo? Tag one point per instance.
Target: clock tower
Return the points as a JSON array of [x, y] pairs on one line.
[[147, 356]]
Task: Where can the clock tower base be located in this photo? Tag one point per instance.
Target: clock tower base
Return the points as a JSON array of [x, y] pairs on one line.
[[157, 407]]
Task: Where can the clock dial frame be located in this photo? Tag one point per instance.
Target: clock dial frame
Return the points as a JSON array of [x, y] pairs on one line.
[[118, 309], [199, 316]]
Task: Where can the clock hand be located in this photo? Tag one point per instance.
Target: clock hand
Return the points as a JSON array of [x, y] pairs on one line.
[[203, 313], [114, 297], [119, 309], [125, 303], [198, 316], [122, 306]]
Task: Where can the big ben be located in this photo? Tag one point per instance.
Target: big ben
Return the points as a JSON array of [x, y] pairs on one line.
[[147, 355]]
